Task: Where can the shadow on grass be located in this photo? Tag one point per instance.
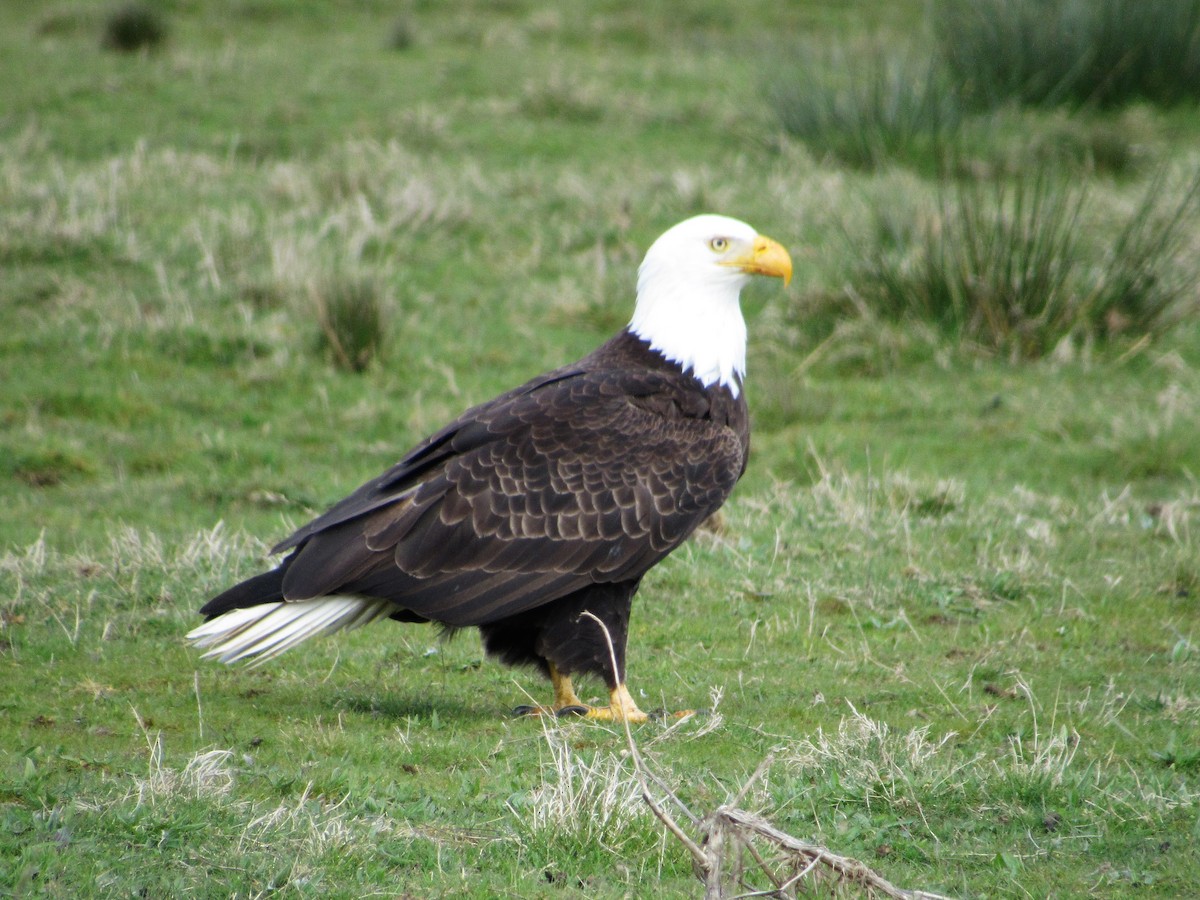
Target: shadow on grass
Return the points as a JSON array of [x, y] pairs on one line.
[[405, 705]]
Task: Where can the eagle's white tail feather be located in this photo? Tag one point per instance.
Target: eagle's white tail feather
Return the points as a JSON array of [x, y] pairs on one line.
[[279, 630], [262, 632]]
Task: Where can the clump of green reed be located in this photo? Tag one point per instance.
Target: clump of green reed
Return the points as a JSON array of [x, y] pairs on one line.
[[402, 35], [865, 106], [1004, 264], [133, 27], [352, 316], [1101, 53]]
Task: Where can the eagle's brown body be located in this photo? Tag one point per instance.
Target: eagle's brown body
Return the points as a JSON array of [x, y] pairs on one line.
[[547, 504], [550, 500]]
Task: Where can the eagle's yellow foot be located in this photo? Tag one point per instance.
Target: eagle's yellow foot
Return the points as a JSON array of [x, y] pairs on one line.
[[621, 708], [605, 713]]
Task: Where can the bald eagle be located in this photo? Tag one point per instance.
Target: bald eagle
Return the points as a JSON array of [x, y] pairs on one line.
[[548, 502]]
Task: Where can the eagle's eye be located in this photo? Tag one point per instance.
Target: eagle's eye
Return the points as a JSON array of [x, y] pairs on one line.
[[718, 244]]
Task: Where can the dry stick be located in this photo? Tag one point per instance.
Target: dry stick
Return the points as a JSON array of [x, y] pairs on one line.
[[199, 708], [701, 859], [743, 825], [780, 886], [846, 867], [758, 773], [671, 795]]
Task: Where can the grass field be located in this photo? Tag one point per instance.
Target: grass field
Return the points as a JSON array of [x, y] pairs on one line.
[[957, 595]]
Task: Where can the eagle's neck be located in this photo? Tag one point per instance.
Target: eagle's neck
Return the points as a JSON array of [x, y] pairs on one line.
[[695, 323]]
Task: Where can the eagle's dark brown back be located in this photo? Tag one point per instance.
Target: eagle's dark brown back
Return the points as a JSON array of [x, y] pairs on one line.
[[589, 474]]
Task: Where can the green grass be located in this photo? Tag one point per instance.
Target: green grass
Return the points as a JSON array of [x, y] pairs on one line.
[[957, 596]]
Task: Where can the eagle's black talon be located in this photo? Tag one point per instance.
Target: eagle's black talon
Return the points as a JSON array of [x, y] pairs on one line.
[[572, 711], [519, 711]]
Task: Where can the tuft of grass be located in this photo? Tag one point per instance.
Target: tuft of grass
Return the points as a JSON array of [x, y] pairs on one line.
[[352, 317], [865, 761], [207, 774], [1100, 145], [1018, 138], [402, 35], [1101, 53], [40, 467], [66, 20], [867, 106], [562, 97], [584, 804], [134, 27]]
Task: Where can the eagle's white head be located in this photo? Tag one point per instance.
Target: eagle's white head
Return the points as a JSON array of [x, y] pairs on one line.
[[688, 293]]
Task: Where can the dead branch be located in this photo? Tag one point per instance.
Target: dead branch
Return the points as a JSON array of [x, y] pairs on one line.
[[847, 870]]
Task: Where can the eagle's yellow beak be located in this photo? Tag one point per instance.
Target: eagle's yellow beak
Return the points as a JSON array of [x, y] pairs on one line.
[[765, 257]]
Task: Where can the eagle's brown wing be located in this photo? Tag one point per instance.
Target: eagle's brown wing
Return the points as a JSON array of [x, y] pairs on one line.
[[578, 478]]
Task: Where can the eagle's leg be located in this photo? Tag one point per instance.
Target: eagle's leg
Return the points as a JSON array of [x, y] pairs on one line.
[[564, 692], [595, 646], [562, 638]]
